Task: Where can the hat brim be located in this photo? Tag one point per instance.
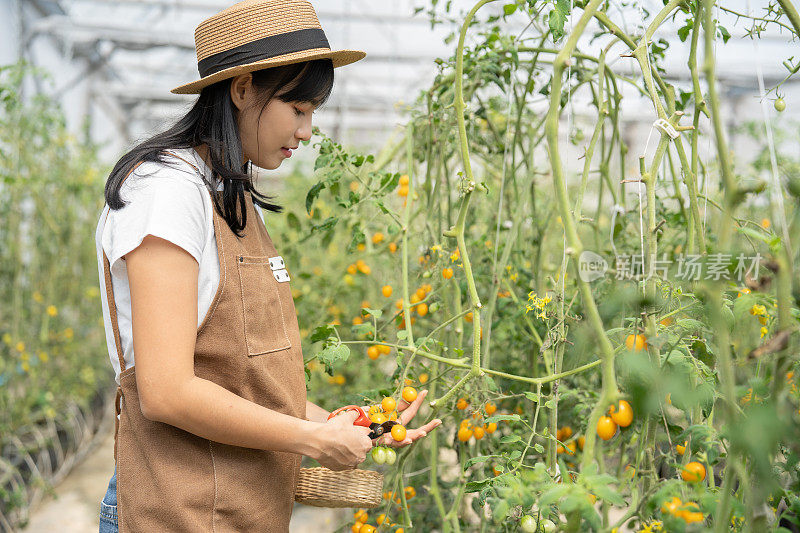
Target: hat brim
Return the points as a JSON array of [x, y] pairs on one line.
[[339, 58]]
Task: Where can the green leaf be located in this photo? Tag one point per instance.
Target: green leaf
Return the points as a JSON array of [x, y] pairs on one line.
[[532, 396], [326, 224], [402, 334], [361, 329], [605, 492], [513, 456], [293, 222], [509, 9], [474, 460], [684, 31], [321, 333], [558, 16], [377, 313], [725, 33], [312, 195], [475, 486], [551, 403], [499, 418], [322, 161], [552, 496], [510, 438], [538, 447], [334, 354]]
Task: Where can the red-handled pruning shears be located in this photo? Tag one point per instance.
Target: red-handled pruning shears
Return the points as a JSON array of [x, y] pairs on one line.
[[363, 420]]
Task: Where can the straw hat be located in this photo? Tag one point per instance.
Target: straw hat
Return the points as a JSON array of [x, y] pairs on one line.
[[258, 34]]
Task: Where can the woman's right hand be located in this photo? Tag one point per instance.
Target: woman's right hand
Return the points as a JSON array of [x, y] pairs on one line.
[[341, 444]]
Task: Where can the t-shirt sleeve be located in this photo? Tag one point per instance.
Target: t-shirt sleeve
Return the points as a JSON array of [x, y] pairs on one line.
[[161, 201]]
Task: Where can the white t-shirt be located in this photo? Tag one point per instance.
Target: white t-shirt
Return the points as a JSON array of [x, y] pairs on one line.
[[167, 201]]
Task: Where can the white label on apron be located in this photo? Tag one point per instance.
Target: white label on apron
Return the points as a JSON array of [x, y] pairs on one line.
[[276, 263], [281, 275]]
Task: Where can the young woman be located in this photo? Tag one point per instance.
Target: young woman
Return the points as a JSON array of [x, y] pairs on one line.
[[213, 419]]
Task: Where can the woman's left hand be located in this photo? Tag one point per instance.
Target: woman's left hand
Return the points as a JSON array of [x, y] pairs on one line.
[[406, 413]]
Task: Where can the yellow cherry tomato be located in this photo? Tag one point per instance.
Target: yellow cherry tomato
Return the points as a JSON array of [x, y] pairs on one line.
[[622, 414], [462, 404], [636, 343], [388, 404], [386, 290], [398, 432], [491, 427], [478, 433], [409, 394], [606, 428], [693, 471], [464, 434], [490, 408]]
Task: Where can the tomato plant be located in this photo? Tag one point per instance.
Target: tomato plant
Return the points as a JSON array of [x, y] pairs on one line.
[[540, 267]]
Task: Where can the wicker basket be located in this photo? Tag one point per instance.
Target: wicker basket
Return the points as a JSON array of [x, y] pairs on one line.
[[322, 487]]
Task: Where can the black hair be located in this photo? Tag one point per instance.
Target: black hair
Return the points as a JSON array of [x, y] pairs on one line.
[[212, 121]]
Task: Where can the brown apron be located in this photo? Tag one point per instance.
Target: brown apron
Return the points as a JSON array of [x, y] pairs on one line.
[[249, 343]]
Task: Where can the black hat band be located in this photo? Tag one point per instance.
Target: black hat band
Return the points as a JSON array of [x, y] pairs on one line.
[[266, 48]]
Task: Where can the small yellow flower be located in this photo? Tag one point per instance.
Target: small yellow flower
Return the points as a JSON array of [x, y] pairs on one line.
[[454, 256], [763, 331], [26, 367], [7, 338], [43, 357], [52, 310], [37, 296], [513, 276], [758, 310], [92, 292], [20, 346], [69, 333]]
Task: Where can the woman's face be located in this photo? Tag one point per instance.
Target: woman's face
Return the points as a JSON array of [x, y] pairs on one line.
[[268, 137]]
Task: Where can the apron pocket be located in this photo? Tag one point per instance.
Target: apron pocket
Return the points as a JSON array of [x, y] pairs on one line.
[[264, 323]]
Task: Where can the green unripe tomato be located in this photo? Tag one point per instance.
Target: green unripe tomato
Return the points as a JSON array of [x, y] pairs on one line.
[[391, 456], [780, 105], [528, 524], [548, 526], [379, 455], [426, 274], [433, 307]]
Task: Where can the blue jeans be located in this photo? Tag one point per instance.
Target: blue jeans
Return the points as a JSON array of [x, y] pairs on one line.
[[108, 507]]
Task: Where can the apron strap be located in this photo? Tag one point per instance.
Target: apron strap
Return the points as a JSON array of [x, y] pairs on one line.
[[112, 308]]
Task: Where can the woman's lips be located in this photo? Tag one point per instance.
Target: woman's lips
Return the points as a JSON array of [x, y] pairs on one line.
[[286, 152]]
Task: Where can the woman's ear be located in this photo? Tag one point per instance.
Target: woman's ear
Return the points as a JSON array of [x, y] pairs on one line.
[[241, 88]]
